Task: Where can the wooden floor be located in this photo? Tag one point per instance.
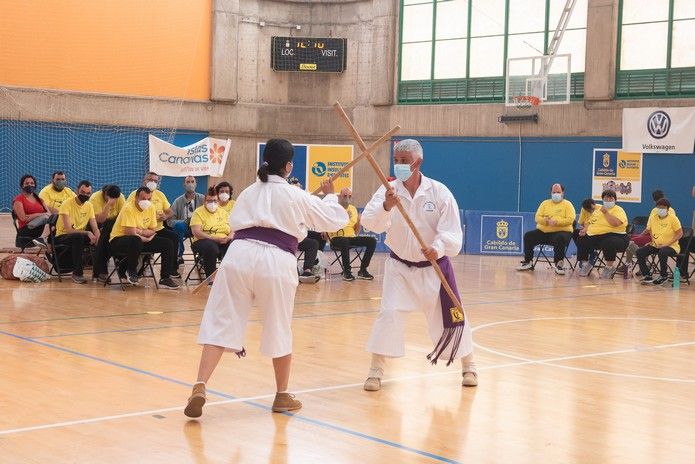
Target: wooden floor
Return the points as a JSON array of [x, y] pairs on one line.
[[571, 371]]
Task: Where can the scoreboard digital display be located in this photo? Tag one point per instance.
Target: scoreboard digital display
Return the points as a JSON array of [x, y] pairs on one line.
[[308, 54]]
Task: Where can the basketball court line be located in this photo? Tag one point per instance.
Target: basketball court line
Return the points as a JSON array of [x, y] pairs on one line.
[[520, 361]]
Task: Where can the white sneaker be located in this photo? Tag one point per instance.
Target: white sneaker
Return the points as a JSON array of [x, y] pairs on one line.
[[524, 266], [373, 382], [607, 272], [559, 269], [585, 270]]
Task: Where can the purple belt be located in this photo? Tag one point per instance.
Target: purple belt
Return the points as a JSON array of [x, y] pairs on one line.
[[280, 239]]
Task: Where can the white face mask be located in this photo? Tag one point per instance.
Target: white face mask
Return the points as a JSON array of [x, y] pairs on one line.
[[557, 197], [144, 204], [609, 204], [402, 172], [224, 196], [152, 185], [662, 212], [211, 206]]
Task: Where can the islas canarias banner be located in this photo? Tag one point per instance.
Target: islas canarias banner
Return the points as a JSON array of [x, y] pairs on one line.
[[207, 157]]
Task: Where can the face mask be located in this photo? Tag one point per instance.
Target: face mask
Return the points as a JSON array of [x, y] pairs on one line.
[[402, 172], [557, 197], [609, 204], [224, 196], [211, 206], [152, 185], [29, 188], [83, 198], [662, 212], [190, 187], [144, 204], [59, 184]]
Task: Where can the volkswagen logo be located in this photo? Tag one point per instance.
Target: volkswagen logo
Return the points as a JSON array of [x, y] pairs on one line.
[[658, 124]]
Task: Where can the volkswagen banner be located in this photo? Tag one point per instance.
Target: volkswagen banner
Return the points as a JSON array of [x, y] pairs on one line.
[[659, 130]]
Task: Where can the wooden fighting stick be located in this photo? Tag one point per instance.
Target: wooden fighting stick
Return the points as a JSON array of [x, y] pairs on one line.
[[360, 143], [366, 151]]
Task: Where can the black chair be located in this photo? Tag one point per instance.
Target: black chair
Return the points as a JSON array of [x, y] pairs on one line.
[[639, 223], [357, 258], [687, 253], [620, 267], [22, 241], [197, 265], [539, 252], [56, 254], [148, 259]]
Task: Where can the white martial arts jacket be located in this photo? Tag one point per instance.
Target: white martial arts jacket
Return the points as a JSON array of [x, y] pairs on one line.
[[279, 205], [434, 212]]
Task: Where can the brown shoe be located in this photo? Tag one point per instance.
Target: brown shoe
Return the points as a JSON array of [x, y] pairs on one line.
[[372, 384], [470, 379], [285, 402], [196, 401]]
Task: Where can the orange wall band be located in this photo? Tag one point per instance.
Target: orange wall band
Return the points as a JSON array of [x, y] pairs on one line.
[[157, 48]]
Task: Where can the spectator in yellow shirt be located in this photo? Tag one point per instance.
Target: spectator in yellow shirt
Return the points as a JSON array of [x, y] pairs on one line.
[[665, 230], [135, 231], [347, 237], [224, 192], [212, 233], [607, 231], [55, 193], [77, 227], [108, 203], [554, 219]]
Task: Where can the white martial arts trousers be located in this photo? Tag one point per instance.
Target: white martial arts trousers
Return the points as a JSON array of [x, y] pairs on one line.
[[410, 289], [252, 273]]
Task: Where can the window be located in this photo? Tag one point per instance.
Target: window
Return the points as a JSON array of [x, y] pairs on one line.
[[457, 50], [655, 52]]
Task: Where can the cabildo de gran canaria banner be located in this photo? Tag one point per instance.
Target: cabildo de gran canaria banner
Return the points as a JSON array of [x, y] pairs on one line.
[[314, 163], [206, 157], [617, 170]]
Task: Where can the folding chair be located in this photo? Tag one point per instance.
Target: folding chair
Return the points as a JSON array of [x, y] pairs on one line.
[[197, 265], [687, 253], [147, 261], [359, 250], [639, 223], [22, 241], [540, 252], [55, 253], [620, 267]]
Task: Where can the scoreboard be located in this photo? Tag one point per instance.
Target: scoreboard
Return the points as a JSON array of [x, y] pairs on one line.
[[308, 54]]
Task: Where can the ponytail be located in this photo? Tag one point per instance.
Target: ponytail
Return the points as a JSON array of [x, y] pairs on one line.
[[263, 172]]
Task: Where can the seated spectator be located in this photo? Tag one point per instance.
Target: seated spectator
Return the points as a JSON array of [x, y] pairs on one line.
[[554, 219], [224, 192], [135, 232], [108, 203], [182, 209], [55, 193], [588, 206], [606, 231], [347, 236], [77, 227], [643, 238], [212, 233], [665, 231], [32, 215], [310, 247], [163, 212]]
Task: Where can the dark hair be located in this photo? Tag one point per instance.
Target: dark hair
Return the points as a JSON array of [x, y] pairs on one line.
[[588, 204], [609, 193], [663, 202], [86, 183], [222, 184], [212, 192], [36, 197], [276, 154], [57, 173], [657, 195], [141, 189], [111, 191]]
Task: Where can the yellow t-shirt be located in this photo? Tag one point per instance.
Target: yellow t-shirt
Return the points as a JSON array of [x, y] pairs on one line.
[[599, 225], [562, 211], [349, 229], [584, 216], [97, 200], [663, 231], [78, 215], [159, 201], [653, 214], [132, 216], [215, 224], [228, 207], [53, 198]]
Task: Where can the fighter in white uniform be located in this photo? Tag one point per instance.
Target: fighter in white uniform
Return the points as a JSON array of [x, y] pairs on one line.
[[260, 269], [408, 287]]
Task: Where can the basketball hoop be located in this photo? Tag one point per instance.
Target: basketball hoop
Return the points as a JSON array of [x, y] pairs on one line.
[[524, 102]]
